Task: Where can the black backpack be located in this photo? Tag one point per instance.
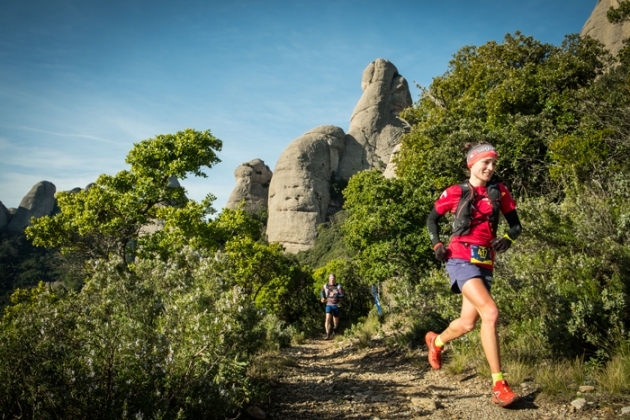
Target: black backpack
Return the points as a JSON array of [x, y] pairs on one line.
[[463, 214]]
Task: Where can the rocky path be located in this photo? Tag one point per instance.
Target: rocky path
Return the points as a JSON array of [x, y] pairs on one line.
[[332, 380]]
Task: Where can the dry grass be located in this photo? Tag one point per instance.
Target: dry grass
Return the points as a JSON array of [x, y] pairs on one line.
[[457, 363], [298, 338], [561, 377], [365, 331], [269, 365], [614, 377], [482, 366], [517, 370]]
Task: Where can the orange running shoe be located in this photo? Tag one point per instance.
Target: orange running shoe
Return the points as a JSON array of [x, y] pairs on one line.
[[435, 352], [503, 395]]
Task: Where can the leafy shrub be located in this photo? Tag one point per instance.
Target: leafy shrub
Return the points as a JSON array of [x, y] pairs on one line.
[[329, 244], [167, 341], [24, 265], [567, 278]]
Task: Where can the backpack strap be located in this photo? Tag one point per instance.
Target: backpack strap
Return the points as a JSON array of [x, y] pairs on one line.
[[494, 193], [463, 214]]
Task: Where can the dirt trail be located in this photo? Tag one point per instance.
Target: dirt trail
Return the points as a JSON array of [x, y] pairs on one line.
[[332, 380]]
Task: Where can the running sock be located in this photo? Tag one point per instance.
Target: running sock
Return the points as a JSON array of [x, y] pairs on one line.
[[438, 342], [496, 377]]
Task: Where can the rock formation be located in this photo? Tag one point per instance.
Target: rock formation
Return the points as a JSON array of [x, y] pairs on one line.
[[252, 186], [375, 127], [299, 192], [390, 170], [40, 201], [5, 217], [598, 27]]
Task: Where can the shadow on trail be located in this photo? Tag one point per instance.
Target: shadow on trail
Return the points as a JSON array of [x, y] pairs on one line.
[[331, 380], [527, 402]]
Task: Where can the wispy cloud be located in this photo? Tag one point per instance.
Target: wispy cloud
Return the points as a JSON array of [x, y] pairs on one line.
[[70, 135], [47, 159]]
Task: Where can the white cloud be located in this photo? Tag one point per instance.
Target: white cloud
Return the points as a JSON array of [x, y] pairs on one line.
[[49, 159], [68, 135]]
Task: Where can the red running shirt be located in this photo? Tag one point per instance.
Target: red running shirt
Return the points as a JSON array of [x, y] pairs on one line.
[[481, 231]]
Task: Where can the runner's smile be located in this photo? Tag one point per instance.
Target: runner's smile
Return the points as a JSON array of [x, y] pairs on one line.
[[484, 169]]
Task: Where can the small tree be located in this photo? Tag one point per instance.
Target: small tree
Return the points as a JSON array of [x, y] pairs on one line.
[[107, 218]]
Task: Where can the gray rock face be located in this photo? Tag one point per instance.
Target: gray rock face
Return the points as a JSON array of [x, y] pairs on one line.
[[5, 217], [40, 201], [390, 170], [598, 27], [299, 192], [252, 186], [375, 128]]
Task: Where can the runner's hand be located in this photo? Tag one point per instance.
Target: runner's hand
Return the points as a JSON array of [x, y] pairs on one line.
[[501, 244], [323, 300], [440, 252]]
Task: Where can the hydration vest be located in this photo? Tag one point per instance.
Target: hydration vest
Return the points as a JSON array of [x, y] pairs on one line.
[[463, 215], [332, 293]]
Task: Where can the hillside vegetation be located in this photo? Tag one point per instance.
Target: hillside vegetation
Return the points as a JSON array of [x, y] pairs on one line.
[[559, 117]]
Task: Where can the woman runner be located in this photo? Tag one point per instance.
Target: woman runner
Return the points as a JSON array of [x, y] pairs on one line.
[[470, 256]]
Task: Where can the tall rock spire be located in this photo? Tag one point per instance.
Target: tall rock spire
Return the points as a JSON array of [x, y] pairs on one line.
[[300, 190], [375, 128], [598, 27]]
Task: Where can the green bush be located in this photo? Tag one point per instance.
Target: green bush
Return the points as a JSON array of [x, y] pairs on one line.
[[329, 244], [567, 278], [24, 265], [167, 341]]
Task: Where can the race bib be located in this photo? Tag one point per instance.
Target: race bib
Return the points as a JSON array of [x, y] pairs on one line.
[[480, 255]]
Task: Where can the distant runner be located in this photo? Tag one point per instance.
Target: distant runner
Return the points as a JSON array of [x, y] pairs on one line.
[[476, 205], [331, 293]]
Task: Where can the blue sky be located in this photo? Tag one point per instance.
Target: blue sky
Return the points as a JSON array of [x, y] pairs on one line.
[[82, 80]]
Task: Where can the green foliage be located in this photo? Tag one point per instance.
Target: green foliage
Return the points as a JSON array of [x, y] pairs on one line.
[[569, 275], [24, 265], [272, 279], [174, 155], [520, 95], [107, 218], [386, 225], [619, 14], [329, 244], [168, 340]]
